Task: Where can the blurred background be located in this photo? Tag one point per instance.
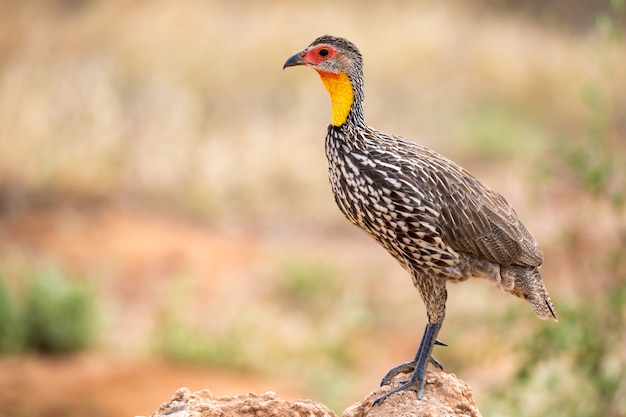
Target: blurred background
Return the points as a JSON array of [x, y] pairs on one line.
[[166, 220]]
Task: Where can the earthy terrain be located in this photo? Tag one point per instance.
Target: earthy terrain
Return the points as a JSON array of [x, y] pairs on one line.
[[444, 396], [151, 248]]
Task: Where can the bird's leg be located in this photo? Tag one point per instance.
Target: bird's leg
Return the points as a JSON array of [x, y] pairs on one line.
[[409, 367], [422, 357]]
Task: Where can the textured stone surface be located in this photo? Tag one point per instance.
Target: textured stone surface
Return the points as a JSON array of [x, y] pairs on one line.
[[184, 403], [444, 395]]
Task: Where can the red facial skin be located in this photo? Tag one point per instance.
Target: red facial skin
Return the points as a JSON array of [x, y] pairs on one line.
[[317, 54]]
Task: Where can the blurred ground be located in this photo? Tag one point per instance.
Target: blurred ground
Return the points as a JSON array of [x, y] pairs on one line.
[[156, 151], [139, 260], [102, 385]]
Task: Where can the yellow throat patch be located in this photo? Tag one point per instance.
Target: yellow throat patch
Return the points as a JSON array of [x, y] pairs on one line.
[[339, 87]]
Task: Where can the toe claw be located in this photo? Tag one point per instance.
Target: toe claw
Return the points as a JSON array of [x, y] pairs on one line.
[[436, 363]]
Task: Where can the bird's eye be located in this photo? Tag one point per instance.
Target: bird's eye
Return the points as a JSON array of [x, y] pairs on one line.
[[324, 52]]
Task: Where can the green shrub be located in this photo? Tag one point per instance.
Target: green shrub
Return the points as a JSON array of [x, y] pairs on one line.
[[12, 332], [180, 342], [576, 368], [58, 315], [51, 314], [307, 286]]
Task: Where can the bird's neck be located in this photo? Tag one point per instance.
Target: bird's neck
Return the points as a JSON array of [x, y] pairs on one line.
[[342, 95]]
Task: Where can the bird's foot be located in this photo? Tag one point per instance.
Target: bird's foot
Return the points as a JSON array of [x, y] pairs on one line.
[[414, 384], [409, 367], [417, 366]]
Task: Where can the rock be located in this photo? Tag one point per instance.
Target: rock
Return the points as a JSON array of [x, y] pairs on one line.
[[184, 403], [444, 395]]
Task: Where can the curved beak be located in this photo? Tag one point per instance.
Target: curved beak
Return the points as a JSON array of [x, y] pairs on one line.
[[297, 59]]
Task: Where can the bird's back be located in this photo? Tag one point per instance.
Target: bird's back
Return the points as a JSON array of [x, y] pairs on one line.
[[427, 211]]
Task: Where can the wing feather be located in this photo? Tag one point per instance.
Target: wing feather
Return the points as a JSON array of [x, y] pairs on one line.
[[472, 218]]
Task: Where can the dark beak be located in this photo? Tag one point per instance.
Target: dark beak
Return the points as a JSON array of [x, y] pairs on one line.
[[297, 59]]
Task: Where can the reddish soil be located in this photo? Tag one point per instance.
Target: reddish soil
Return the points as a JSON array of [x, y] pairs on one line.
[[136, 256], [101, 385], [134, 253]]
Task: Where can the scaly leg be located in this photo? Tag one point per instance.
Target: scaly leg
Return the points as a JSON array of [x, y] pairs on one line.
[[409, 367], [422, 357]]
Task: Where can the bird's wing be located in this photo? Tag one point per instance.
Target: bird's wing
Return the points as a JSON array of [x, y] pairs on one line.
[[472, 218], [479, 221]]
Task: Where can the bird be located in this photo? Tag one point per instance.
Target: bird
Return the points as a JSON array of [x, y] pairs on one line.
[[436, 219]]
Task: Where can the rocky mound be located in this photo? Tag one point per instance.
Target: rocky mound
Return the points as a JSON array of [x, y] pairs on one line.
[[444, 395]]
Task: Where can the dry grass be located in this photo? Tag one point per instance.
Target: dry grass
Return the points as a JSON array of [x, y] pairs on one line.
[[187, 100]]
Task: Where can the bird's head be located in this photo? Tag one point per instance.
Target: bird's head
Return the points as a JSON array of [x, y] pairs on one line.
[[328, 54], [340, 66]]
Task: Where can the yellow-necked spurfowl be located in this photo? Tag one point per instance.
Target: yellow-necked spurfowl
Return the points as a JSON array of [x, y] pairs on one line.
[[429, 213]]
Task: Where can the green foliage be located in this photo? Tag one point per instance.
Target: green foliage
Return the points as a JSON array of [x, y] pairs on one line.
[[58, 314], [307, 286], [578, 368], [313, 293], [497, 131], [596, 159], [308, 333], [176, 339], [592, 160], [180, 342], [12, 337], [52, 315], [605, 23]]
